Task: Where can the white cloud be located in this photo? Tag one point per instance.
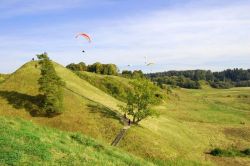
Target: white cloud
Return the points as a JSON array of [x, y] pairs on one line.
[[184, 37], [179, 34]]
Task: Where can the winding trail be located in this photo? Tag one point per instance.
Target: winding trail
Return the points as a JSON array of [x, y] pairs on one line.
[[122, 132]]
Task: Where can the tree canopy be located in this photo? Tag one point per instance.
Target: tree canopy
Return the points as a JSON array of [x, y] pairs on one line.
[[189, 78], [51, 86], [138, 100], [106, 69]]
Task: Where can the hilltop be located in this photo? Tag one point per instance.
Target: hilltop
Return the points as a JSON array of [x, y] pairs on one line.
[[191, 122]]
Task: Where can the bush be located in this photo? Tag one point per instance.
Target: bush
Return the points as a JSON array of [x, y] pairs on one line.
[[246, 151], [229, 152], [221, 85], [216, 152]]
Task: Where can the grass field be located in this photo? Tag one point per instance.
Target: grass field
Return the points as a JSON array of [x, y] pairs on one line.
[[191, 122], [22, 143]]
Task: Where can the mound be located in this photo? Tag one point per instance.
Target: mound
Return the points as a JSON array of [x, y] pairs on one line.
[[87, 109]]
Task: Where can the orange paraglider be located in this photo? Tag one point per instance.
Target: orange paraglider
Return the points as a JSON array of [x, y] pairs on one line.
[[85, 36]]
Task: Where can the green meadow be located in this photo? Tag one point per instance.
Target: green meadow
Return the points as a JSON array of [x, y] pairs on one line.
[[191, 123], [23, 143]]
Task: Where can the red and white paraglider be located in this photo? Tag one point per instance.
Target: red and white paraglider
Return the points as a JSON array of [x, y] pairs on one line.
[[84, 35]]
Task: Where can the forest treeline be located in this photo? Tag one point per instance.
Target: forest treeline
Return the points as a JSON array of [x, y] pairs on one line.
[[105, 69], [185, 79], [190, 78]]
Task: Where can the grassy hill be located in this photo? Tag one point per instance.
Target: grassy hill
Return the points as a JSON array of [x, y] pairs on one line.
[[191, 122], [3, 77], [22, 143], [86, 108]]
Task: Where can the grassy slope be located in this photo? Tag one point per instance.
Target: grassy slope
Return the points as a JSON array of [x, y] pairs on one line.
[[101, 82], [22, 143], [3, 77], [82, 113], [189, 125], [201, 115]]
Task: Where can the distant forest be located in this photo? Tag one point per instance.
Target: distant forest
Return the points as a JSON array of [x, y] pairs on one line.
[[190, 78], [185, 79]]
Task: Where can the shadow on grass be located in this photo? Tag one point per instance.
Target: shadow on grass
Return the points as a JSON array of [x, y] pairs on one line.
[[104, 111], [32, 104], [99, 108]]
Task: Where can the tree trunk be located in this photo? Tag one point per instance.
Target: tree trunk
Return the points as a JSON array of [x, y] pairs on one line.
[[134, 119]]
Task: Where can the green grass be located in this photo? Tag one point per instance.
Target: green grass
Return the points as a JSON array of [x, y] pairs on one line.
[[191, 122], [22, 143], [113, 85]]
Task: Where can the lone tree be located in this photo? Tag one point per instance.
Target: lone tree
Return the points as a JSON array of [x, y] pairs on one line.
[[51, 86], [139, 100]]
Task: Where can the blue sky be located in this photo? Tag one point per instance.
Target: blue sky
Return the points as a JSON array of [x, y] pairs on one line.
[[174, 34]]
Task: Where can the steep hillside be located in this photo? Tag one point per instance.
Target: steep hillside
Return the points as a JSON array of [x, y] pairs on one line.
[[3, 77], [22, 143], [87, 109], [191, 122]]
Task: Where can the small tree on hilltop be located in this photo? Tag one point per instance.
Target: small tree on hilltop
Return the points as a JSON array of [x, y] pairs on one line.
[[51, 86], [139, 100]]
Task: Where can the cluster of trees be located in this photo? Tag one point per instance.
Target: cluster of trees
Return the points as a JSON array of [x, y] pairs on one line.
[[175, 81], [106, 69], [189, 78], [132, 74], [51, 87]]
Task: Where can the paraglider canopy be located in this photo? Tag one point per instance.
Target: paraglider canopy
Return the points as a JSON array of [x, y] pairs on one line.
[[85, 36], [151, 63]]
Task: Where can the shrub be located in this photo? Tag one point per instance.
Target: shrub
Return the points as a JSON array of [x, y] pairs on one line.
[[221, 85], [216, 152], [246, 151], [229, 152]]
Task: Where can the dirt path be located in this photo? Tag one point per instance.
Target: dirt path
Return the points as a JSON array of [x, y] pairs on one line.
[[122, 132]]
